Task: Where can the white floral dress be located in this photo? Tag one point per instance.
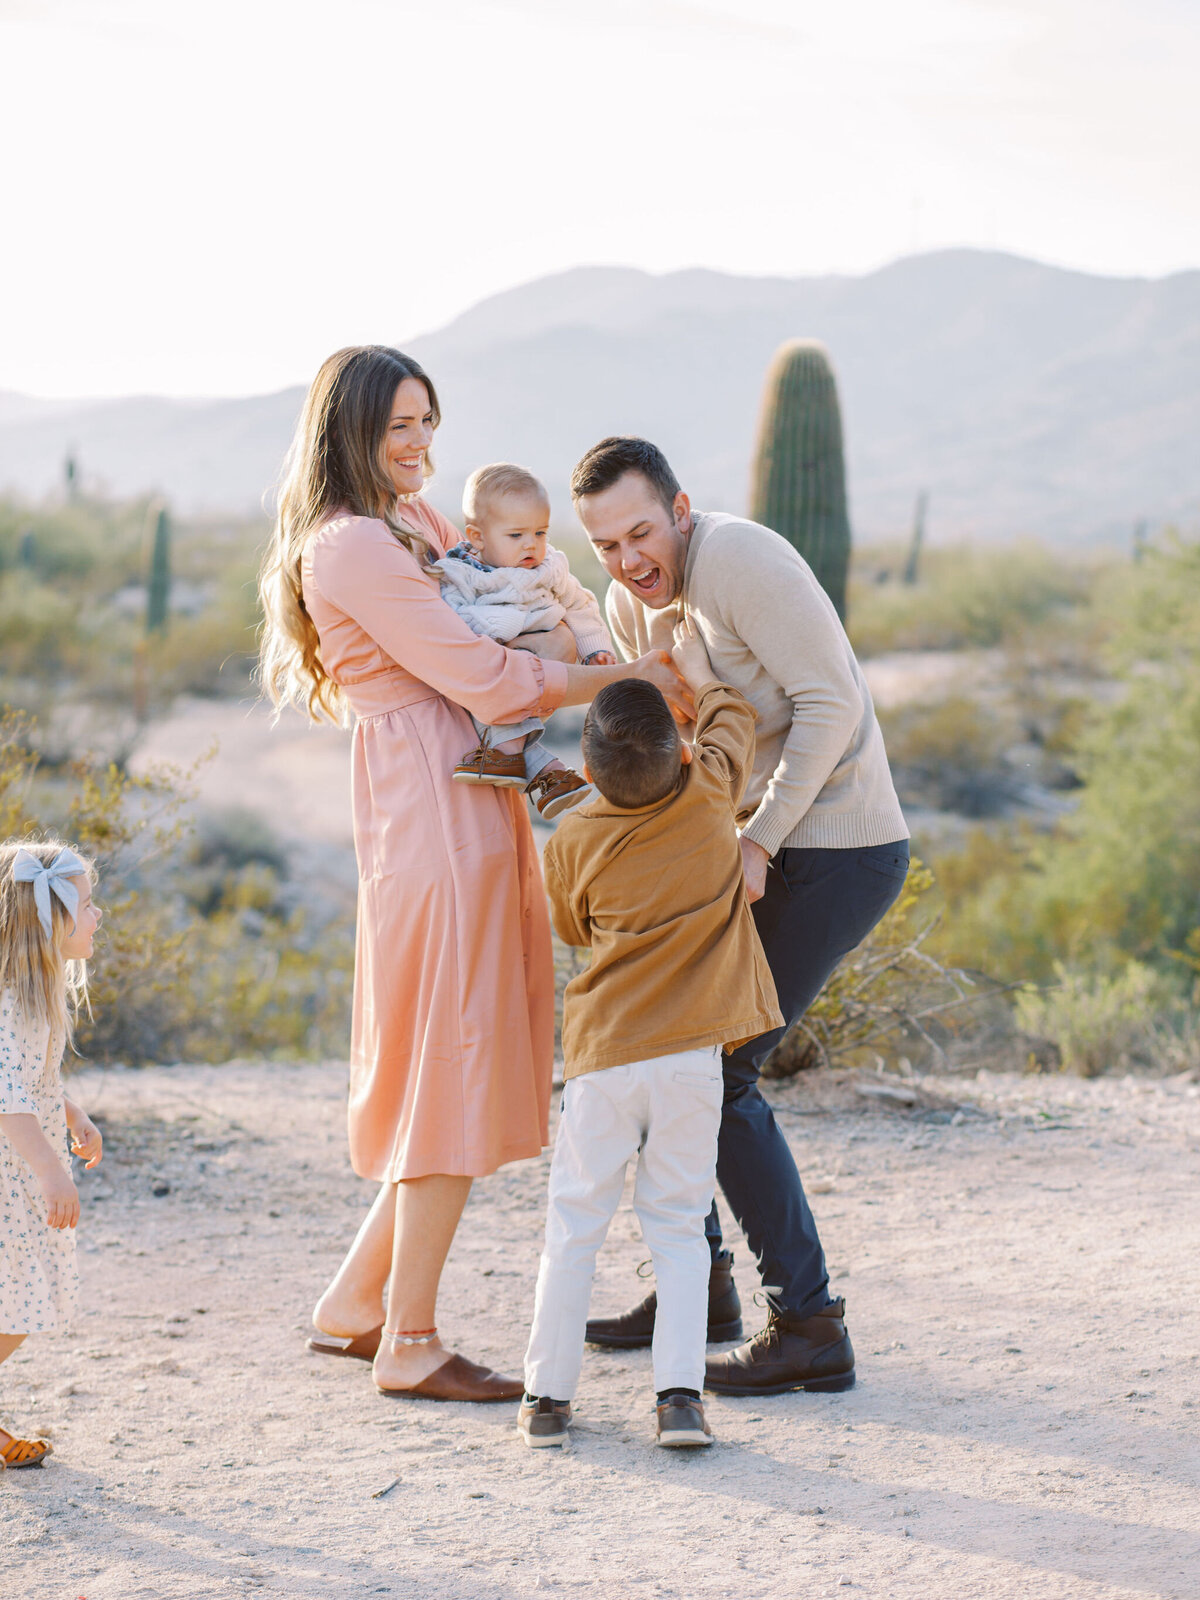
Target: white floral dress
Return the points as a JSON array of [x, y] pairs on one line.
[[38, 1278]]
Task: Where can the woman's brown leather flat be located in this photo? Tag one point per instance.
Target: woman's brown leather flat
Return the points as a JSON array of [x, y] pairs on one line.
[[362, 1346], [460, 1379]]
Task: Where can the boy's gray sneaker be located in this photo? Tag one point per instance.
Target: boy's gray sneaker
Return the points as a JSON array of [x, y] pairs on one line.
[[543, 1423], [681, 1423]]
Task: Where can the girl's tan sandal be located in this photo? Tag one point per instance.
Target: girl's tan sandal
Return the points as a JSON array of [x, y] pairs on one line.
[[24, 1452]]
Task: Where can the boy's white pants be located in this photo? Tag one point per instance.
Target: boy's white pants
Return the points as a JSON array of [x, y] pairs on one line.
[[669, 1109]]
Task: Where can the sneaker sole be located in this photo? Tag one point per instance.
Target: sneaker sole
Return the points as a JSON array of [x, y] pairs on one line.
[[577, 797], [545, 1441], [683, 1440], [492, 783], [723, 1333], [834, 1385]]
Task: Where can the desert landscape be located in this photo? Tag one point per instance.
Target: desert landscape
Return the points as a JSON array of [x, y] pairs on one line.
[[1021, 1299], [914, 294]]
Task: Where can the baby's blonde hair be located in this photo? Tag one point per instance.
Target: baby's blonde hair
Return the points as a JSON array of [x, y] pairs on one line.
[[487, 484], [46, 987]]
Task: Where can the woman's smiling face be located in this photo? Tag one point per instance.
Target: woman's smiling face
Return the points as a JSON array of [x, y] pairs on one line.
[[408, 437]]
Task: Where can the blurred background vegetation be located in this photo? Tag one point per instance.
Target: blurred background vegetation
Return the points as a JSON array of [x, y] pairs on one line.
[[212, 946], [1041, 712]]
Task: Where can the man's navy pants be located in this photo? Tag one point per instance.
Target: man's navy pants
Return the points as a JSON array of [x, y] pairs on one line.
[[818, 906]]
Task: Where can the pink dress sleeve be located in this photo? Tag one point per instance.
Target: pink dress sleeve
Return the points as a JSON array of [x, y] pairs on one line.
[[361, 569]]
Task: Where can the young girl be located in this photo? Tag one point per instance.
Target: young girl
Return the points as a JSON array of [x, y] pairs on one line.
[[47, 925]]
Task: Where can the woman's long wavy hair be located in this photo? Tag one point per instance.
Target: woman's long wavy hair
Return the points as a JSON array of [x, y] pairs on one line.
[[47, 988], [335, 463]]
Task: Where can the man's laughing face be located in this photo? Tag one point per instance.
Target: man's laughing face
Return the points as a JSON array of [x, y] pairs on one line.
[[641, 542]]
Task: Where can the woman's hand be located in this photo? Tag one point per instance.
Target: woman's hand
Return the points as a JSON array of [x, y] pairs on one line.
[[656, 667], [556, 644], [60, 1194], [87, 1142]]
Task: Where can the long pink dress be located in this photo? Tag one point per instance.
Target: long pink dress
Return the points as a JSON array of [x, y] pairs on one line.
[[453, 1034]]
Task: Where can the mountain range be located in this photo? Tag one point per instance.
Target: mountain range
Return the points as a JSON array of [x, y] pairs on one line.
[[1027, 399]]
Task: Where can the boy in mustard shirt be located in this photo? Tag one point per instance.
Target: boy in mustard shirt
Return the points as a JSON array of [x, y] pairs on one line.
[[649, 875]]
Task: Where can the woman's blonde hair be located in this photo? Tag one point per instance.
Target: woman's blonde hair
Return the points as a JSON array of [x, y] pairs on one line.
[[335, 463], [46, 987]]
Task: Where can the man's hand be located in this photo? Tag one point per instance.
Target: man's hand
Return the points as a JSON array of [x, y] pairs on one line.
[[656, 667], [556, 644], [691, 656], [600, 658], [87, 1142], [755, 861]]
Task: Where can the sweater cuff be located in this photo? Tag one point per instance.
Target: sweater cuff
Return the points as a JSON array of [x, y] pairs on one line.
[[768, 829], [553, 685], [588, 641]]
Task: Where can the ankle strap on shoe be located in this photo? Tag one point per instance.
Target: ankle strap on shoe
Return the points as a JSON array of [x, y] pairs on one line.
[[425, 1336]]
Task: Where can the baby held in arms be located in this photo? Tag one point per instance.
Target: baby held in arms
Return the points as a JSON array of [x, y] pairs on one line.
[[506, 580]]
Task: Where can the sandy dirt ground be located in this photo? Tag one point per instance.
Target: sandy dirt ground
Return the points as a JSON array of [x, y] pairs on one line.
[[1020, 1258]]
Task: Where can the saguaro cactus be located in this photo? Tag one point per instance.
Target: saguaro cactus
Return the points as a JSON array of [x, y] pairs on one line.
[[799, 485], [912, 567], [158, 582]]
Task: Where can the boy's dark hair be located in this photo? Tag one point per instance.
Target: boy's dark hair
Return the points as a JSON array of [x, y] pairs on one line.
[[613, 457], [631, 744]]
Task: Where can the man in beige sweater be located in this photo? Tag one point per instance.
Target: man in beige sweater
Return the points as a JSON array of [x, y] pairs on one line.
[[824, 851]]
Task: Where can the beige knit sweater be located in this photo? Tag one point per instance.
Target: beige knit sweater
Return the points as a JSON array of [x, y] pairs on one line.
[[820, 776]]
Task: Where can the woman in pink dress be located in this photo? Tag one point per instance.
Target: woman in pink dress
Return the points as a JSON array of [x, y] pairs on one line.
[[452, 1039]]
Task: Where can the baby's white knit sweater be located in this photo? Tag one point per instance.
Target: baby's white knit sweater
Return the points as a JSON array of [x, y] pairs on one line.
[[502, 602]]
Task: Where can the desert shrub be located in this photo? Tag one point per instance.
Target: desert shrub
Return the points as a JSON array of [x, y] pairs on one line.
[[72, 617], [1119, 878], [889, 998], [201, 955], [967, 598], [949, 754], [1096, 1021], [88, 541]]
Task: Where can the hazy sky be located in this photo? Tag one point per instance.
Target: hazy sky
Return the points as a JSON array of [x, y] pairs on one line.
[[208, 199]]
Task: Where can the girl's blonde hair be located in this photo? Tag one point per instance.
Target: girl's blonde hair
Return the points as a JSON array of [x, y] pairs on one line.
[[45, 986], [335, 463]]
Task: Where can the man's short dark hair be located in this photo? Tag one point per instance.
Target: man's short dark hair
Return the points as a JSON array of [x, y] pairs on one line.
[[631, 744], [613, 457]]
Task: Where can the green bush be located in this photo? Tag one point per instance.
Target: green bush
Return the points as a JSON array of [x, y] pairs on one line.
[[949, 754], [1118, 879], [72, 615], [1098, 1022], [968, 598], [200, 956]]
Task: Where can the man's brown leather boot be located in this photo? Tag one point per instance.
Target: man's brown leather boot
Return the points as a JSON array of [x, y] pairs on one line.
[[810, 1352], [634, 1329]]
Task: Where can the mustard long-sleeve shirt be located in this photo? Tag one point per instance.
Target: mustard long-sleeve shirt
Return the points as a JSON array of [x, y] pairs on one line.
[[658, 894]]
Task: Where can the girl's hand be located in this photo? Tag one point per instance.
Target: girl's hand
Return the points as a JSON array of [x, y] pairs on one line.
[[87, 1142], [691, 656], [61, 1197], [600, 658]]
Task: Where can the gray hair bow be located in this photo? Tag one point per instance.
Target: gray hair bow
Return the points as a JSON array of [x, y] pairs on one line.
[[57, 876]]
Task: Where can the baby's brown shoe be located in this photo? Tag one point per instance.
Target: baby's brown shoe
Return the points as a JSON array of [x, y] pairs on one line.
[[557, 790], [485, 764]]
